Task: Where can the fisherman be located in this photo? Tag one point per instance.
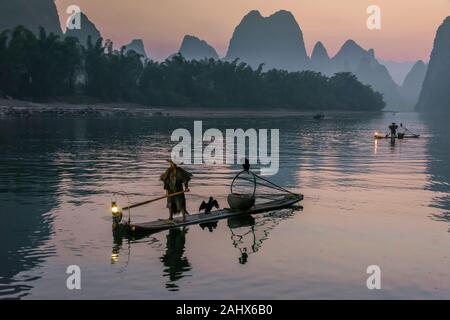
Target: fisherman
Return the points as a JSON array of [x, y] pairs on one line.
[[175, 178], [393, 127]]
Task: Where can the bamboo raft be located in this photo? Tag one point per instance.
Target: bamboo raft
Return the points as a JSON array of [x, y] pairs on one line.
[[239, 204], [198, 218], [378, 137]]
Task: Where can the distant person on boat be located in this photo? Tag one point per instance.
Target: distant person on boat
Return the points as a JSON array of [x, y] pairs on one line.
[[393, 127], [175, 178], [319, 116]]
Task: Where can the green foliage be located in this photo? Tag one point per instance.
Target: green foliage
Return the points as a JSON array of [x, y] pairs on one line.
[[37, 67], [45, 67]]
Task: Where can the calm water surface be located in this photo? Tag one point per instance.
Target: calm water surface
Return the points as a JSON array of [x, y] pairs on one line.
[[366, 203]]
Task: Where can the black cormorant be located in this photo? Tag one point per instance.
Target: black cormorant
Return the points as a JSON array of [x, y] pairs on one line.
[[246, 165], [208, 206]]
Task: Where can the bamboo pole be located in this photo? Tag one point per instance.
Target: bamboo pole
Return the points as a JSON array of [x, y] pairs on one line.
[[152, 200]]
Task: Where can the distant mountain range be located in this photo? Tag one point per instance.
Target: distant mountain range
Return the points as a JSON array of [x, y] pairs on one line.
[[87, 29], [277, 42], [257, 40], [30, 14], [320, 60], [137, 45], [43, 13], [353, 58], [412, 85], [193, 48], [398, 69]]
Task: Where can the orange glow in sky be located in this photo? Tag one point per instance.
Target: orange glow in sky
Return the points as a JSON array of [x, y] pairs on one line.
[[408, 26]]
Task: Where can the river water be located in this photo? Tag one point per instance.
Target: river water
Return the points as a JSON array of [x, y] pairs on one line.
[[366, 203]]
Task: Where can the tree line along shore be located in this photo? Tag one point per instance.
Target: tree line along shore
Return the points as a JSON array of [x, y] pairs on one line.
[[45, 67]]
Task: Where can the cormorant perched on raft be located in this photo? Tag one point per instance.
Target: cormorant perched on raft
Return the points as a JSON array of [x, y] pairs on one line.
[[246, 165], [208, 206]]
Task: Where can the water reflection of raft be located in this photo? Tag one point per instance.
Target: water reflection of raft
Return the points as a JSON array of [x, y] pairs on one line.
[[160, 225]]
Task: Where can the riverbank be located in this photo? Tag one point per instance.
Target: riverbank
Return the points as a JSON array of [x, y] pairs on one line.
[[22, 108]]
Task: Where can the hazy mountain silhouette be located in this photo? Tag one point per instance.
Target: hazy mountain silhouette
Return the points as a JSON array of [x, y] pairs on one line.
[[193, 48], [30, 14], [320, 60], [435, 94], [371, 72], [87, 29], [276, 41], [137, 45], [413, 84], [348, 57], [353, 58], [398, 69]]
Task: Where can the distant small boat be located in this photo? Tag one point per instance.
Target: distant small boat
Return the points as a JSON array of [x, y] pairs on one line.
[[319, 116], [407, 134]]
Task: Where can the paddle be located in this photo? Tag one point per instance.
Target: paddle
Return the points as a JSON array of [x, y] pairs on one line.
[[153, 200]]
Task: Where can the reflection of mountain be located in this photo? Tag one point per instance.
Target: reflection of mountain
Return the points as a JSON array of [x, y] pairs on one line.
[[25, 235], [304, 146], [173, 259], [27, 195], [438, 168], [36, 154]]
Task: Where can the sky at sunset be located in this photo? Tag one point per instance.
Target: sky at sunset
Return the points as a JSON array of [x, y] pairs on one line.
[[408, 26]]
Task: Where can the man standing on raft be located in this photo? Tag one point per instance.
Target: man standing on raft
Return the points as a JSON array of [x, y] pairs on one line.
[[175, 178], [393, 127]]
